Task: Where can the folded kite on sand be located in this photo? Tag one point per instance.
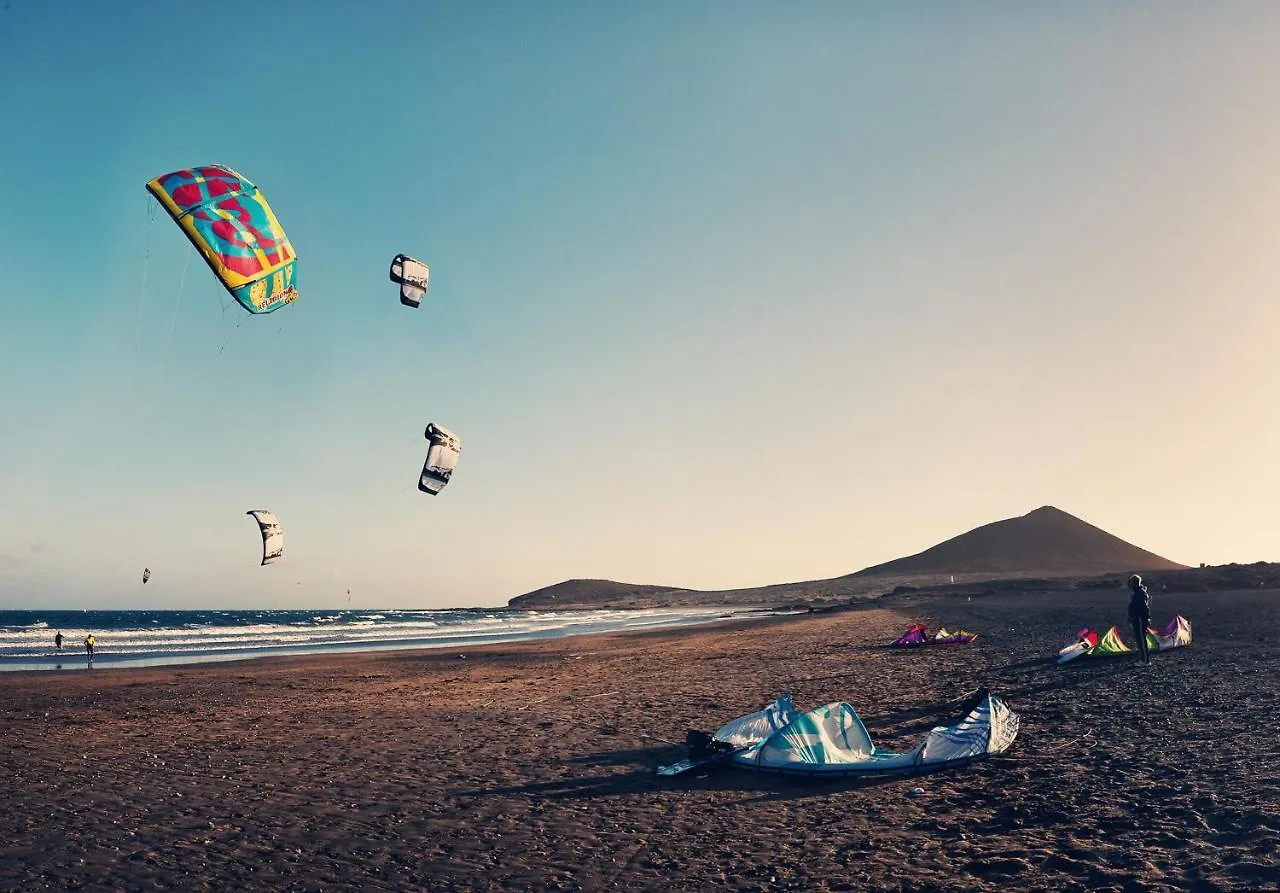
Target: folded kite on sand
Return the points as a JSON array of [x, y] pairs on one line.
[[832, 742], [959, 637], [1177, 634], [919, 635]]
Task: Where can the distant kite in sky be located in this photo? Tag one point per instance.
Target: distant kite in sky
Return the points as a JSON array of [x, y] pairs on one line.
[[442, 458], [146, 574], [230, 223], [272, 534], [413, 277]]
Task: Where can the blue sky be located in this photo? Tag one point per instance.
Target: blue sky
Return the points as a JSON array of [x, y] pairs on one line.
[[723, 294]]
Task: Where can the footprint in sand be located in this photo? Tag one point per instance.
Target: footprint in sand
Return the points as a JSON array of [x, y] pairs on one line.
[[1260, 874], [998, 866]]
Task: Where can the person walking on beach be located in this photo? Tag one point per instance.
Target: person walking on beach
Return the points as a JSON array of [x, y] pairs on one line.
[[88, 645], [1140, 615], [57, 640]]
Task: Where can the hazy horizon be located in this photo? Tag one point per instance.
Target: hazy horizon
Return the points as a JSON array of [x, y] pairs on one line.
[[722, 295]]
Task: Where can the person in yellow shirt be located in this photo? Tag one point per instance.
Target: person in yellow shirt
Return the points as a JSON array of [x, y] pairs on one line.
[[88, 645]]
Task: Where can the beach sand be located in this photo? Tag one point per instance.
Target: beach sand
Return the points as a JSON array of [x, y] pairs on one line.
[[530, 766]]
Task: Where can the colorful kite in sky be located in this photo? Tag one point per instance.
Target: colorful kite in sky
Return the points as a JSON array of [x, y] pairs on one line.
[[227, 219]]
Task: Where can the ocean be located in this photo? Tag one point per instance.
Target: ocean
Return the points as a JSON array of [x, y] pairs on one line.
[[154, 638]]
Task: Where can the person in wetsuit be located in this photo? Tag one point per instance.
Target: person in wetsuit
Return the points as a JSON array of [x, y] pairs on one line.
[[1140, 615]]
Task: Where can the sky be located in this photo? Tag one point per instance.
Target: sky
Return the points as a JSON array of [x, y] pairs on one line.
[[723, 293]]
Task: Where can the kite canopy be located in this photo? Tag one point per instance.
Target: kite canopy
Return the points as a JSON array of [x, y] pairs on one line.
[[919, 635], [146, 574], [912, 637], [959, 637], [272, 534], [230, 223], [1090, 644], [1084, 641], [442, 458], [1177, 634], [755, 727], [832, 741], [413, 277], [1109, 644]]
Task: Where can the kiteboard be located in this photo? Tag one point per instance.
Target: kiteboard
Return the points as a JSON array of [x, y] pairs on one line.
[[703, 759], [684, 766]]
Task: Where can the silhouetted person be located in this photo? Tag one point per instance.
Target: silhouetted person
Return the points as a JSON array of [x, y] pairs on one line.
[[57, 640], [88, 645], [1140, 615]]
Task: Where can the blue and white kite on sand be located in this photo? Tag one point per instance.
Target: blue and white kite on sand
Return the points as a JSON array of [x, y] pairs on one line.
[[831, 741]]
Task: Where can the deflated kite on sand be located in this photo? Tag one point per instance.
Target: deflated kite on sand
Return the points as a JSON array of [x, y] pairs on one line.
[[919, 635], [832, 742], [1177, 634]]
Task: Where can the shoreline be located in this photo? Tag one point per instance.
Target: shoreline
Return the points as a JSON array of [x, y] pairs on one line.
[[73, 658]]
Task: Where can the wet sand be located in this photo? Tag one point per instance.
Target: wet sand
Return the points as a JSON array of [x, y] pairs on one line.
[[530, 766]]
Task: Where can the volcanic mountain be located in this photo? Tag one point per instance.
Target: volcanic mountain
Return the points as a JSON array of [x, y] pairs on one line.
[[1045, 543]]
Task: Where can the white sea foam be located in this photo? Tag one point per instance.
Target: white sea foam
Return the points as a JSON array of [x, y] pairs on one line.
[[148, 638]]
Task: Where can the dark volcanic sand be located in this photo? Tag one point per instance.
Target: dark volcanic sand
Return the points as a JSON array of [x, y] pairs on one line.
[[529, 767]]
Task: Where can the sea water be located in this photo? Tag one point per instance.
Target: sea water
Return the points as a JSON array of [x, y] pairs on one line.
[[152, 638]]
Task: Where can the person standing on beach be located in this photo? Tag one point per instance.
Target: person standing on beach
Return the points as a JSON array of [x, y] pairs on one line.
[[1140, 615], [88, 645], [57, 640]]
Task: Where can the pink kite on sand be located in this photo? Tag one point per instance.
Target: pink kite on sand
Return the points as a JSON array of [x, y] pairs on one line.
[[912, 637], [919, 635]]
